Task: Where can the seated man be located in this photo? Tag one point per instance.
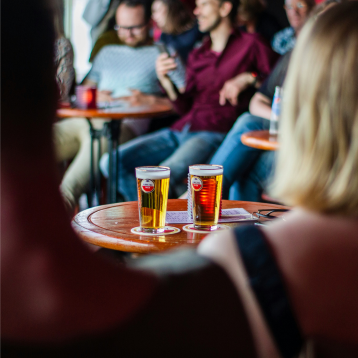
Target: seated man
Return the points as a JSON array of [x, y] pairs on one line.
[[118, 70], [248, 167], [297, 12], [226, 65]]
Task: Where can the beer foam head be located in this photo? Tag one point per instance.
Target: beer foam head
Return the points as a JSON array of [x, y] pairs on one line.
[[206, 169], [152, 172]]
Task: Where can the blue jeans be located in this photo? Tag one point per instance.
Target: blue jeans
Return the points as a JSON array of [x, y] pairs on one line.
[[239, 160], [173, 149], [249, 187]]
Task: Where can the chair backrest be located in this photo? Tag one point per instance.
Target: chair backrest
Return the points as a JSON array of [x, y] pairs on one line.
[[318, 348]]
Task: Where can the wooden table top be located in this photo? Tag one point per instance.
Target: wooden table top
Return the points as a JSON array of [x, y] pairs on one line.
[[117, 112], [260, 140], [110, 226]]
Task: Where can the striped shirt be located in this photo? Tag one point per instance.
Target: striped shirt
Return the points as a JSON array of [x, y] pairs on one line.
[[119, 68]]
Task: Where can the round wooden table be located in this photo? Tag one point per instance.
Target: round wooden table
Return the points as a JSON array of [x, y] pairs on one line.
[[260, 140], [117, 113], [111, 130], [110, 226]]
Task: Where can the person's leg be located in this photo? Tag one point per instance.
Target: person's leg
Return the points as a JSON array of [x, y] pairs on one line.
[[66, 137], [250, 186], [235, 157], [72, 139], [126, 134], [149, 149], [195, 148]]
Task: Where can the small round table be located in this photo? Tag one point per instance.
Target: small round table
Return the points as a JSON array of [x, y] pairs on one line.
[[111, 130], [260, 140], [109, 226]]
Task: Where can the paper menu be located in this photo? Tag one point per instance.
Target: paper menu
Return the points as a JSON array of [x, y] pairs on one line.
[[228, 215], [235, 215]]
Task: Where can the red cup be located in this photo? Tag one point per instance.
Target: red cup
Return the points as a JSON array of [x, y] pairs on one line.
[[86, 97]]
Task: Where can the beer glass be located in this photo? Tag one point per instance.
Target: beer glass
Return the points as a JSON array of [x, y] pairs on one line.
[[153, 186], [206, 182]]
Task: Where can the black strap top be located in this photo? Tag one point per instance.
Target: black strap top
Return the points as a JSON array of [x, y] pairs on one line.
[[269, 289]]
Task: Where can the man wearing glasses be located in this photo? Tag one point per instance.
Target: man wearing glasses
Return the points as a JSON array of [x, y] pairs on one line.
[[297, 12], [129, 69], [118, 71]]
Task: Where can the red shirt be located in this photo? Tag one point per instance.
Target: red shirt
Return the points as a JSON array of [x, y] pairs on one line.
[[206, 74]]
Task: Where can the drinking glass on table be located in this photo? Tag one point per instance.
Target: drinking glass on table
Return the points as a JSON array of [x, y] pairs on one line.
[[206, 184], [153, 186]]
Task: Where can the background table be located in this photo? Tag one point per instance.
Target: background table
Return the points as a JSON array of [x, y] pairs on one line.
[[110, 226], [260, 140], [111, 130]]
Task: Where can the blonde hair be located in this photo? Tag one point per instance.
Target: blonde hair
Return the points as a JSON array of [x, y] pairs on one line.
[[317, 166]]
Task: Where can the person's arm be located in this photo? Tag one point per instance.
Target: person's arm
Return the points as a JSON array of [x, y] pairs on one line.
[[164, 65], [261, 102], [232, 88], [263, 61], [139, 98], [260, 105], [181, 98], [90, 83], [65, 72], [94, 77]]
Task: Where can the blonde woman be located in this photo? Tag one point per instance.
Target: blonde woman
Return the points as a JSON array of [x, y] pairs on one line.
[[298, 277]]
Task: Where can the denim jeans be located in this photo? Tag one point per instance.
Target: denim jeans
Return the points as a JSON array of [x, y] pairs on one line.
[[173, 149], [249, 187], [239, 160]]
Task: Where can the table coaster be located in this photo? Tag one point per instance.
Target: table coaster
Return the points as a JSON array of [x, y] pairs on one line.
[[168, 230], [190, 228]]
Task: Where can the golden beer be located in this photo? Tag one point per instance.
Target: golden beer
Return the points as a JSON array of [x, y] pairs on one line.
[[153, 186], [206, 183]]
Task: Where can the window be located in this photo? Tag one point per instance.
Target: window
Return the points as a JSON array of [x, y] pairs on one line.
[[78, 31]]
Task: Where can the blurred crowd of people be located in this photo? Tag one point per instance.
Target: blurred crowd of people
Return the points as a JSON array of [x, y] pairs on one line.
[[215, 59]]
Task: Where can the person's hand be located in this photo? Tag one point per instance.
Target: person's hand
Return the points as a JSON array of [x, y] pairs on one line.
[[137, 98], [232, 88], [163, 65], [104, 96]]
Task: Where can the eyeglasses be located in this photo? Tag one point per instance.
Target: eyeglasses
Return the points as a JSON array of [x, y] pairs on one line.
[[133, 29], [267, 213], [299, 5]]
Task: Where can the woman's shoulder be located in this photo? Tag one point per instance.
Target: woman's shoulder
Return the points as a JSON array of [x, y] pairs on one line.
[[317, 255]]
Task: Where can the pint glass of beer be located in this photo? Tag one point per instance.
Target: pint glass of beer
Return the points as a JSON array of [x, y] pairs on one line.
[[206, 182], [153, 186]]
